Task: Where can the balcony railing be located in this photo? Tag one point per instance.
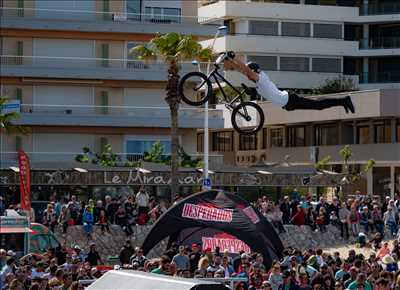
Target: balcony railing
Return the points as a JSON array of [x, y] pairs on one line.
[[120, 111], [10, 158], [307, 2], [76, 15], [381, 8], [385, 42], [88, 63], [381, 77], [282, 35]]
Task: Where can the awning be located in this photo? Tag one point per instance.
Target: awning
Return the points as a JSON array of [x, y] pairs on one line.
[[7, 230]]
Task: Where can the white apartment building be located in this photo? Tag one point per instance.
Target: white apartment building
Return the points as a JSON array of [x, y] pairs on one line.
[[68, 64], [301, 43]]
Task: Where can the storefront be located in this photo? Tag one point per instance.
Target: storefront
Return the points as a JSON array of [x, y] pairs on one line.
[[52, 184]]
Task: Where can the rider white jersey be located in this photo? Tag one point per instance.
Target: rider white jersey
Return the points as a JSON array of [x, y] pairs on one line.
[[268, 90]]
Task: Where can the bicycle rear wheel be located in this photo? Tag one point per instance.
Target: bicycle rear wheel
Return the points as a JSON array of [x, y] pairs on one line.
[[247, 118], [195, 88]]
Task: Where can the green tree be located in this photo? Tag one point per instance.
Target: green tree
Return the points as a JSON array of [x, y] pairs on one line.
[[106, 158], [338, 85], [172, 48], [349, 176]]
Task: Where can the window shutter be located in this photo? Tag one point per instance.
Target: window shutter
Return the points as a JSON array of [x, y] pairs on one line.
[[104, 102], [20, 6], [106, 10], [18, 143], [103, 143], [18, 94], [105, 54]]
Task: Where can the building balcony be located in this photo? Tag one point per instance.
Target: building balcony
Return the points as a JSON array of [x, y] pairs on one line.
[[265, 44], [93, 21], [115, 116], [381, 8], [381, 153], [380, 43], [85, 68], [380, 77], [271, 10]]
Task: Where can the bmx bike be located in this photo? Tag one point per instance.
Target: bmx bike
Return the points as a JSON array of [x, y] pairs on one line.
[[195, 88]]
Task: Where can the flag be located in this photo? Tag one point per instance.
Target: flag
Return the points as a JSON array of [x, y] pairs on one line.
[[24, 180]]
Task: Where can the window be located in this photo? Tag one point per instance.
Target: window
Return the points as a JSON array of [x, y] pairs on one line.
[[330, 65], [328, 31], [295, 64], [296, 29], [200, 142], [382, 132], [296, 136], [247, 142], [222, 141], [363, 135], [141, 146], [263, 27], [326, 135], [398, 131], [276, 137], [163, 15], [134, 9], [265, 62]]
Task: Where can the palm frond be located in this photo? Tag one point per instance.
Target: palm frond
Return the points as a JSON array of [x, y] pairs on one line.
[[143, 52]]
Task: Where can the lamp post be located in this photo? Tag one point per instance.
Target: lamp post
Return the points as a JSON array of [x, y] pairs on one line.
[[205, 139]]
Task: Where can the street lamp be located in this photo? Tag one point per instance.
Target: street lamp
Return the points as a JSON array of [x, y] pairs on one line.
[[206, 149]]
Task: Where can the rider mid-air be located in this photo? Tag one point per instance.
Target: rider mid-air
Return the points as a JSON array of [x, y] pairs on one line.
[[288, 101]]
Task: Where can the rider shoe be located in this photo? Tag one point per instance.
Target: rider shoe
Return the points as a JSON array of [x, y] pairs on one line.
[[348, 105]]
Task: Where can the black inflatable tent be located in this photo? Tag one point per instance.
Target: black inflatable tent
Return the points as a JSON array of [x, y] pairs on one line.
[[216, 218]]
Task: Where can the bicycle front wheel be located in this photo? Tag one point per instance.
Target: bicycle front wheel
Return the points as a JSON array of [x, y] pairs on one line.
[[195, 88], [247, 118]]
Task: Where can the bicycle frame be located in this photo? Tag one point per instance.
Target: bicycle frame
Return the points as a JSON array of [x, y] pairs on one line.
[[217, 76]]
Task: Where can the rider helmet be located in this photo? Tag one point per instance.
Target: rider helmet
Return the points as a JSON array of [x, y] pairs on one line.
[[254, 67]]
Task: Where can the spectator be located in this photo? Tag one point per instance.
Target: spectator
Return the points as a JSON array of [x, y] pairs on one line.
[[138, 257], [142, 199], [121, 219], [181, 259], [389, 218], [87, 220], [126, 252], [93, 257]]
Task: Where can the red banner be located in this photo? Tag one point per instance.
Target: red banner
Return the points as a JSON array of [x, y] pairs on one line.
[[24, 180]]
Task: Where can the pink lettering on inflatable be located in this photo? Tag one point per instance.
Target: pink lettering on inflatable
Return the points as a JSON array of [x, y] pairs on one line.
[[207, 213]]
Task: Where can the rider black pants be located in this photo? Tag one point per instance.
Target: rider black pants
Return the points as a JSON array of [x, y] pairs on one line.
[[299, 103]]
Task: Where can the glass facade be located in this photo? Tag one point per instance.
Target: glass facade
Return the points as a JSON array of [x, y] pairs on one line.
[[222, 141], [141, 146], [296, 136], [363, 135], [326, 135], [382, 132], [134, 9], [247, 142]]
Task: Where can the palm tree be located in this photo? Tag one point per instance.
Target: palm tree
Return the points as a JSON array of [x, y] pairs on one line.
[[172, 48]]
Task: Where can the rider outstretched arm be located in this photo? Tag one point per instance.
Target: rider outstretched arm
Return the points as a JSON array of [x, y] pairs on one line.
[[268, 90]]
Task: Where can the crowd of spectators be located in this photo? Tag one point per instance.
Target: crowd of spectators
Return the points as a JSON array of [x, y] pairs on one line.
[[313, 269], [57, 269], [356, 216], [125, 211]]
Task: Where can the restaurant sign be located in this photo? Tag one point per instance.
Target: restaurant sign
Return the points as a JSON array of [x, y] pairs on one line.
[[162, 178]]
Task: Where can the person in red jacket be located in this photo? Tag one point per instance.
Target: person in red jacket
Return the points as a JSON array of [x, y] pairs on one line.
[[300, 217]]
